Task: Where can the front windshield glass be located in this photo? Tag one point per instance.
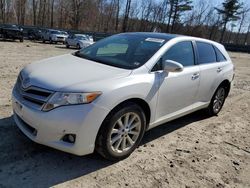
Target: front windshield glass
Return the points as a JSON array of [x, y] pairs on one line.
[[81, 37], [128, 51], [56, 32]]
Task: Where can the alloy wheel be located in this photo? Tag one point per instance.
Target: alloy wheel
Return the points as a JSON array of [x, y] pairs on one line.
[[125, 132], [219, 100]]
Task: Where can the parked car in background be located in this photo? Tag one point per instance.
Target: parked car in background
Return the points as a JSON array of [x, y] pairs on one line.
[[54, 36], [105, 96], [35, 34], [79, 41], [11, 31]]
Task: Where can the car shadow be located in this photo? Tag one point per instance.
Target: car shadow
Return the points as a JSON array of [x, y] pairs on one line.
[[64, 47], [9, 40], [23, 162], [171, 126]]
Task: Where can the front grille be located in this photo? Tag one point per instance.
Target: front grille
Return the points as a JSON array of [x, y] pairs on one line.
[[32, 96]]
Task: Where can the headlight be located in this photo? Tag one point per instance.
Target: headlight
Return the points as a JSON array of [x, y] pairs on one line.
[[62, 99]]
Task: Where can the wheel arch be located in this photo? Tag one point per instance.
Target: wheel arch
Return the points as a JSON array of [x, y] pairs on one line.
[[140, 102], [226, 83]]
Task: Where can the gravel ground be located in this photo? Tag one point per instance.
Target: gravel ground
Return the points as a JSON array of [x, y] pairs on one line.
[[193, 151]]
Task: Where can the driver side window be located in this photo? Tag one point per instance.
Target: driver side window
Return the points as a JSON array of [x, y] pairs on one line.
[[181, 52]]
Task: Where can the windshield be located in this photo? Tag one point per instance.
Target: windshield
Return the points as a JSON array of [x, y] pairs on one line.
[[81, 37], [128, 51], [56, 32]]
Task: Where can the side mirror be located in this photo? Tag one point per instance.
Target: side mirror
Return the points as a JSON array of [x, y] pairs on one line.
[[172, 66]]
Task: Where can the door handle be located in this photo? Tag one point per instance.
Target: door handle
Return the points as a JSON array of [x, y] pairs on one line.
[[219, 69], [195, 76]]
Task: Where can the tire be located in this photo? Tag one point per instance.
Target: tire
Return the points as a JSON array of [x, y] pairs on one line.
[[217, 101], [78, 46], [125, 139], [67, 45], [21, 40], [50, 41], [43, 41]]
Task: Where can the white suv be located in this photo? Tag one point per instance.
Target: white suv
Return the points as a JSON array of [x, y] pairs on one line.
[[104, 97]]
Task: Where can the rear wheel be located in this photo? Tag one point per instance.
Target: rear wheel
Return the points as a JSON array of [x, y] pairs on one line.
[[67, 45], [217, 101], [121, 132], [78, 46]]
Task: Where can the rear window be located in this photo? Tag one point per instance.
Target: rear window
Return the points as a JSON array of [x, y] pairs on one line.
[[219, 56], [206, 53]]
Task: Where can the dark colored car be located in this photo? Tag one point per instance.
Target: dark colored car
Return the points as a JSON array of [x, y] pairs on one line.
[[9, 31], [35, 34]]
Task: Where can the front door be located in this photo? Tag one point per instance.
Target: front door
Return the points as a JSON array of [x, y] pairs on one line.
[[178, 90]]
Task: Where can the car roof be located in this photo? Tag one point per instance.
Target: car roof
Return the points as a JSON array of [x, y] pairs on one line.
[[165, 36], [168, 36]]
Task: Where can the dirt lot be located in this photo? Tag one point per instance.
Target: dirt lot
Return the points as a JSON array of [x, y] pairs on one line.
[[194, 151]]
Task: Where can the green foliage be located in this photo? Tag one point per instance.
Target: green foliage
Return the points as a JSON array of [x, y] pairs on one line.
[[230, 11]]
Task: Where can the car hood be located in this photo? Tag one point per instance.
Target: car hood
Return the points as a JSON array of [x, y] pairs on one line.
[[61, 72], [86, 41]]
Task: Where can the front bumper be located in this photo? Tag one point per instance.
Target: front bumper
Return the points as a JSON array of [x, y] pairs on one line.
[[48, 128], [61, 39]]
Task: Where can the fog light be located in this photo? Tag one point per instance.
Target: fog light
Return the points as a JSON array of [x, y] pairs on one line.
[[71, 138]]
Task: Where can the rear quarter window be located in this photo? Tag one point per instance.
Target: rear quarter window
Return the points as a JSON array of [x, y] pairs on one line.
[[219, 56], [206, 53]]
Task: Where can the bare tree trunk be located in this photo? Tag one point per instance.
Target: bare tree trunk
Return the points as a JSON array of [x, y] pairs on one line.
[[3, 11], [43, 12], [169, 17], [125, 20], [223, 30], [117, 15], [34, 6], [244, 14], [52, 14], [246, 37]]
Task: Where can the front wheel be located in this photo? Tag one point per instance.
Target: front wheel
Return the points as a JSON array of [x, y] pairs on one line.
[[78, 46], [217, 101], [121, 132]]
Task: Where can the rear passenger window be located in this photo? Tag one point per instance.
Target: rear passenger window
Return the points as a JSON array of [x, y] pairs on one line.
[[206, 53], [219, 56], [182, 53]]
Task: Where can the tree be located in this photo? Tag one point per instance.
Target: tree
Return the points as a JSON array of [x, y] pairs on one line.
[[117, 15], [52, 14], [20, 8], [126, 16], [2, 10], [76, 11], [177, 7], [246, 37], [230, 12], [34, 9], [244, 13]]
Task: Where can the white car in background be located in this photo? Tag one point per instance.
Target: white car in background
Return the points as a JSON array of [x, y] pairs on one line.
[[79, 41], [105, 96], [54, 36]]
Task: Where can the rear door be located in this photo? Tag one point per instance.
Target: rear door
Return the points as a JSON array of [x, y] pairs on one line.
[[211, 63]]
